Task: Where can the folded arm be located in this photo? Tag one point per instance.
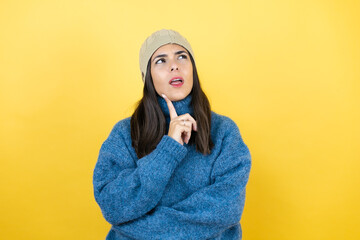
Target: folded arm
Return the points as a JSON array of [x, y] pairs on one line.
[[126, 190], [207, 212]]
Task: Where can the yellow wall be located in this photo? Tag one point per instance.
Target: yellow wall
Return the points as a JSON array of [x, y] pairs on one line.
[[288, 73]]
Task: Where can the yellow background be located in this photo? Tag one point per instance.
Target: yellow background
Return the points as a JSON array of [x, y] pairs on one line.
[[287, 72]]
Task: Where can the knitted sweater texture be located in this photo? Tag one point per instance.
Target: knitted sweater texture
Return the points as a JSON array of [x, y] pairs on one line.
[[174, 192]]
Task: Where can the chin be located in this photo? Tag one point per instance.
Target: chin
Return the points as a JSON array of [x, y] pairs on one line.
[[177, 97]]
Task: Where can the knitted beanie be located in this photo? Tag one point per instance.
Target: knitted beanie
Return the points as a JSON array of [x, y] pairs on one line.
[[156, 40]]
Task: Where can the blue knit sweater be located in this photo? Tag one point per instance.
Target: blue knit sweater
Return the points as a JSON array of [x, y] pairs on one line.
[[174, 192]]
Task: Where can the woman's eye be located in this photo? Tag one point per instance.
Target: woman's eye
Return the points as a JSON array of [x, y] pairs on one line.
[[160, 61], [183, 56]]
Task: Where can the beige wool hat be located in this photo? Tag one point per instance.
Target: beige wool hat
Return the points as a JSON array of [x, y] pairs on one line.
[[156, 40]]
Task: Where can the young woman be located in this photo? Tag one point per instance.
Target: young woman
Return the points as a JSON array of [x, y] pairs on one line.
[[174, 169]]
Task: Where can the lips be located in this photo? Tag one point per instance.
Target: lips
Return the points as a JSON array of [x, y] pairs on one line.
[[176, 81]]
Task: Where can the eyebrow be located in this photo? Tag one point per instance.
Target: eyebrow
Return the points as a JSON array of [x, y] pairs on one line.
[[165, 55]]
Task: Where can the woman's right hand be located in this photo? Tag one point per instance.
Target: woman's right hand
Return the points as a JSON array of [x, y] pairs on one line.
[[180, 126]]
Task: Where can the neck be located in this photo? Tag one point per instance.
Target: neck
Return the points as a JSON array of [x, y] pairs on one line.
[[182, 106]]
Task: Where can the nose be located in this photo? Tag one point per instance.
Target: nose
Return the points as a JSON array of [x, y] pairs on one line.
[[174, 66]]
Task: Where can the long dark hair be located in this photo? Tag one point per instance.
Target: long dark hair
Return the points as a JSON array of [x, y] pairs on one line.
[[148, 124]]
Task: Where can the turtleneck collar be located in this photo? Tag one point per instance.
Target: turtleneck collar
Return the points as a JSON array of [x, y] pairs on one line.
[[182, 106]]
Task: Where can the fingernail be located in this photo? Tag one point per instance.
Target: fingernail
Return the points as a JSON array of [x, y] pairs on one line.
[[163, 95]]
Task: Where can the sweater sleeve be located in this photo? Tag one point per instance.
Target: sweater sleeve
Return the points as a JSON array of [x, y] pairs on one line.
[[210, 210], [125, 190]]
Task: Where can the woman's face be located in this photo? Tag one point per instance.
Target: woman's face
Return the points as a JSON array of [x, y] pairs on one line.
[[172, 71]]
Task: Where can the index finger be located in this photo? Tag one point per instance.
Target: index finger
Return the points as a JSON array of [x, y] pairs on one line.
[[171, 107]]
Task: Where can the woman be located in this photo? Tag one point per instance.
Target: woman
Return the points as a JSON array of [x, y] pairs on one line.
[[174, 169]]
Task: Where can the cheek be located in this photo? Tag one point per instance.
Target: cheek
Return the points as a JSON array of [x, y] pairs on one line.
[[190, 75], [158, 81], [157, 84], [189, 70], [191, 83]]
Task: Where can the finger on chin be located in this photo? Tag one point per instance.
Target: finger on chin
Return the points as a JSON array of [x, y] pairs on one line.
[[171, 107]]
